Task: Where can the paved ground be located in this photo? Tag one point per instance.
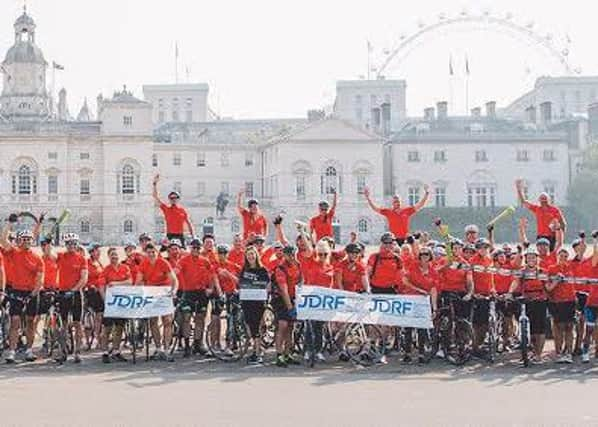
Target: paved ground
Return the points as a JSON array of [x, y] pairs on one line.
[[199, 392]]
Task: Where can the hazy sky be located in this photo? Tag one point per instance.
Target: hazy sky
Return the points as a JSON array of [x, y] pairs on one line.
[[266, 58]]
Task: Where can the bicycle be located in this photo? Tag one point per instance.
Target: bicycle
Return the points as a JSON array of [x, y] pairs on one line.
[[54, 329], [88, 321], [232, 343], [268, 327], [136, 337], [364, 344], [524, 331], [495, 326], [425, 343], [182, 310], [455, 334], [4, 326]]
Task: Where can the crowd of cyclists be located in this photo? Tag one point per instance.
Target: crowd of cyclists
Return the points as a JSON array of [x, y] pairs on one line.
[[472, 272]]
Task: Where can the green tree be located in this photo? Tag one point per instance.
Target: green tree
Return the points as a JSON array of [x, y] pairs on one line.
[[583, 191]]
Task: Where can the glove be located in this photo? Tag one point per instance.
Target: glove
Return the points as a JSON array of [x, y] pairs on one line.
[[582, 234], [277, 220], [438, 222], [292, 313], [12, 218], [410, 240], [490, 228], [595, 234], [417, 235]]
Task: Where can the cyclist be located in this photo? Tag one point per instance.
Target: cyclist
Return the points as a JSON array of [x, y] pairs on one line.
[[175, 216], [72, 277], [385, 267], [502, 283], [398, 218], [472, 234], [209, 248], [420, 278], [175, 255], [93, 296], [50, 276], [285, 279], [561, 295], [533, 290], [198, 280], [254, 221], [581, 266], [350, 274], [252, 273], [155, 271], [456, 281], [321, 224], [237, 252], [27, 270], [116, 273]]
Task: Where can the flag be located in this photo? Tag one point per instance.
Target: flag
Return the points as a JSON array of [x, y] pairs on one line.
[[57, 66], [466, 65], [451, 71]]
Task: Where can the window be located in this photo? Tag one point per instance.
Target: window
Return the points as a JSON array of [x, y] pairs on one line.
[[548, 156], [550, 189], [362, 225], [178, 187], [440, 156], [24, 182], [225, 159], [84, 226], [235, 226], [413, 156], [300, 187], [440, 197], [188, 103], [330, 181], [481, 196], [249, 189], [127, 121], [128, 226], [128, 180], [201, 160], [175, 109], [480, 156], [176, 159], [361, 184], [522, 156], [201, 189], [248, 159], [413, 195], [52, 184], [225, 187], [52, 155], [84, 156], [155, 160], [84, 187]]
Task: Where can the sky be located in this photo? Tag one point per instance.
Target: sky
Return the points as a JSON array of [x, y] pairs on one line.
[[266, 59]]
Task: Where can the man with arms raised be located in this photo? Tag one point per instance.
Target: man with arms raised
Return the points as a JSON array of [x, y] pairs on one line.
[[175, 216]]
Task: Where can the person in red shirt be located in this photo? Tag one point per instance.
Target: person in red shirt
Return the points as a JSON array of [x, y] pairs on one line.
[[199, 280], [175, 216], [456, 281], [175, 254], [28, 270], [502, 283], [254, 221], [385, 267], [534, 291], [72, 277], [286, 277], [93, 290], [2, 278], [321, 224], [155, 271], [483, 287], [208, 249], [236, 254], [116, 273], [398, 217], [133, 258], [562, 297], [549, 218], [50, 276], [350, 274]]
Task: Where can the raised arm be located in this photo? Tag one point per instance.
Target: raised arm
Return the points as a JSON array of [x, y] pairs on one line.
[[240, 208], [38, 226], [368, 197], [424, 200], [520, 195], [190, 227], [4, 242], [155, 195], [334, 201], [279, 231], [522, 230]]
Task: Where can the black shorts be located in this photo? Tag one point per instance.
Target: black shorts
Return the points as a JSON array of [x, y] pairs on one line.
[[253, 312], [218, 308], [508, 308], [280, 308], [45, 301], [70, 303], [179, 237], [462, 308], [113, 321], [196, 300], [383, 291], [581, 299], [93, 299], [22, 302], [481, 311], [563, 312], [536, 311]]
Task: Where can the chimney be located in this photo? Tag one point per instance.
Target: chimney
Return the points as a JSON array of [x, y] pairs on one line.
[[546, 113], [442, 108], [429, 114], [62, 106], [491, 109], [385, 118], [315, 115], [593, 121], [476, 112], [376, 119], [530, 114]]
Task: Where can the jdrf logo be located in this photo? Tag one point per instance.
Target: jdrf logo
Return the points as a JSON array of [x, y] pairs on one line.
[[393, 307], [126, 301], [325, 302]]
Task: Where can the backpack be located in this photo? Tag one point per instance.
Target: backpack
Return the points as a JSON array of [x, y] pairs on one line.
[[377, 260]]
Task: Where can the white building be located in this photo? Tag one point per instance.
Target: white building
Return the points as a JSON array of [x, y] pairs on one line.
[[178, 102]]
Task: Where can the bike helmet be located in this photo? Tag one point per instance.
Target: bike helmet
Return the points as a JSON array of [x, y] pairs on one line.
[[456, 242], [94, 246], [388, 237], [222, 249], [145, 236], [195, 243], [174, 194], [252, 202], [472, 228], [482, 243], [25, 234], [353, 248], [425, 251], [576, 243], [543, 241], [70, 237], [290, 250], [130, 245], [324, 204], [259, 239], [175, 242], [469, 247], [531, 251]]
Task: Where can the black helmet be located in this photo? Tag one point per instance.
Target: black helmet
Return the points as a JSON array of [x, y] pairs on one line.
[[290, 250], [145, 236], [252, 202], [482, 243], [222, 249], [175, 194], [353, 248], [195, 243], [387, 237], [324, 204]]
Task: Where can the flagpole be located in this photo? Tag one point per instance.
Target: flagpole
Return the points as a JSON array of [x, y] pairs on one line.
[[451, 81], [369, 48], [176, 62], [467, 73]]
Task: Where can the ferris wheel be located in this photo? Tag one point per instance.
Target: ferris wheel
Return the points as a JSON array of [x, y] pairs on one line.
[[548, 45]]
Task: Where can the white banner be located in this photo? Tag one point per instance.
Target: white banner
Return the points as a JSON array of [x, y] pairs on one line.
[[253, 290], [332, 305], [138, 302]]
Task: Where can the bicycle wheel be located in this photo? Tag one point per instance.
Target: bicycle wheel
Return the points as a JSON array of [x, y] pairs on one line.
[[310, 343], [268, 327], [425, 345], [231, 344], [524, 343], [363, 344], [131, 333], [333, 334], [462, 350], [88, 323], [298, 337]]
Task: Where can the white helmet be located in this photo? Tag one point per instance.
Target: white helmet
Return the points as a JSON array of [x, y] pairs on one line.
[[70, 237]]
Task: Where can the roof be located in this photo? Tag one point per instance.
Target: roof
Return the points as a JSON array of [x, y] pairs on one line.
[[125, 97], [330, 129], [24, 52]]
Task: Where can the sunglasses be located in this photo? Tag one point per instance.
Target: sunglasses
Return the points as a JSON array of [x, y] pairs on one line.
[[323, 254]]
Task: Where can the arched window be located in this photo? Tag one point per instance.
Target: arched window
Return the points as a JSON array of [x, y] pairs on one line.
[[84, 226], [24, 181], [363, 226], [128, 226], [330, 181], [128, 179]]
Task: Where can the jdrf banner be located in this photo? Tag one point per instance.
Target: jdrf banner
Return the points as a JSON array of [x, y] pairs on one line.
[[138, 302], [332, 305]]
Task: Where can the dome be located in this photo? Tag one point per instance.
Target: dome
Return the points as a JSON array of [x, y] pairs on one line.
[[24, 52], [24, 21]]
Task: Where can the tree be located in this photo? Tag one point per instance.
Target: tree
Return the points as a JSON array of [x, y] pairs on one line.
[[582, 195]]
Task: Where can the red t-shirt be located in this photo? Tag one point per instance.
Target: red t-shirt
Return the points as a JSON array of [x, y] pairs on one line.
[[319, 274], [50, 273], [289, 275], [351, 275], [388, 267], [502, 283], [227, 284], [237, 256], [156, 274], [564, 291], [95, 278], [482, 282], [398, 222], [133, 262], [544, 216], [26, 265], [582, 268], [117, 274], [257, 225], [197, 273], [532, 288], [548, 260], [70, 267], [8, 266], [322, 225], [426, 281], [175, 218], [452, 279]]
